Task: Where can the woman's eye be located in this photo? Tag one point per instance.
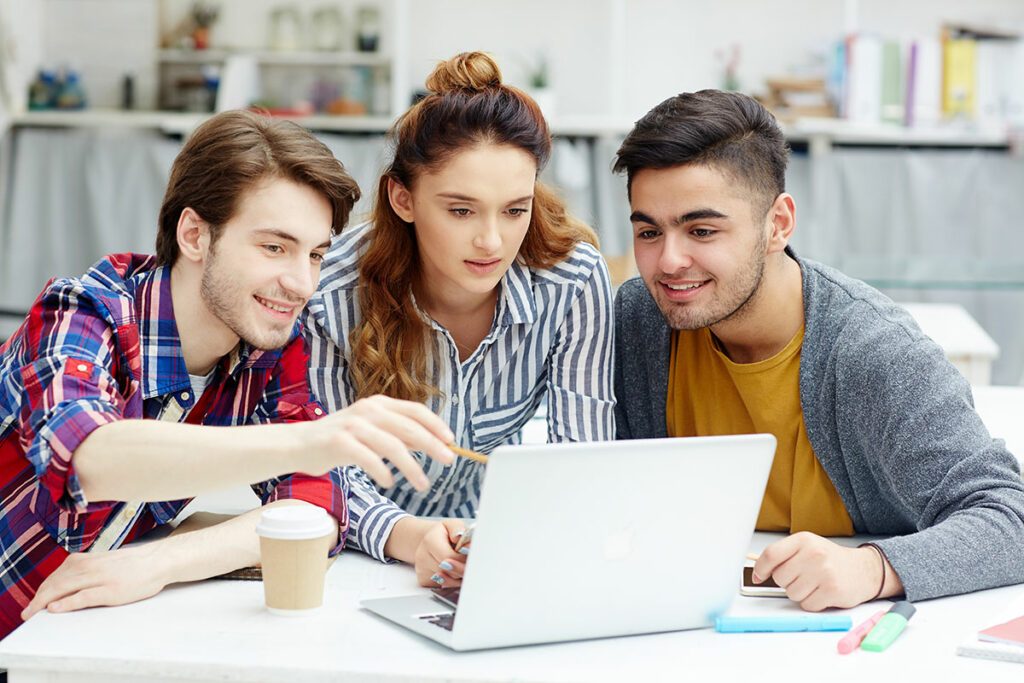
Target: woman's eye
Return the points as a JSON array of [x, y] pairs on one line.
[[273, 248], [462, 213], [515, 213]]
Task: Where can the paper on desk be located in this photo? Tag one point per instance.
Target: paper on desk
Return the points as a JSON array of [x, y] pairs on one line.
[[1003, 641]]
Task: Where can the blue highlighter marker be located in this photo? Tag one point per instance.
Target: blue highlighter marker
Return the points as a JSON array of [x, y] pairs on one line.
[[804, 622]]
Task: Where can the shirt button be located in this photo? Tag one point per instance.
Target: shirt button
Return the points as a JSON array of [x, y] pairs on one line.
[[455, 400], [82, 367], [184, 396], [317, 411]]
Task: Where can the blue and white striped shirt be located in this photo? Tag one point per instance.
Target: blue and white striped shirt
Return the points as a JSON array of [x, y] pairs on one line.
[[551, 337]]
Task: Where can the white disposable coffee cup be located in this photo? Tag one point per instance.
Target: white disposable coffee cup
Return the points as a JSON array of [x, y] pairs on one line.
[[294, 543]]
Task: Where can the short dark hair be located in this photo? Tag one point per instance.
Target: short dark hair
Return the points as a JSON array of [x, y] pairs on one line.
[[726, 130], [230, 153]]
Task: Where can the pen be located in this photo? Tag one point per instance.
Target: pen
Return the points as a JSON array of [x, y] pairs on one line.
[[468, 454], [809, 622], [464, 538], [888, 627], [851, 640]]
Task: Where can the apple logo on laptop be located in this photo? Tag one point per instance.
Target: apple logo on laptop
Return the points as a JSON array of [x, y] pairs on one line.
[[618, 545]]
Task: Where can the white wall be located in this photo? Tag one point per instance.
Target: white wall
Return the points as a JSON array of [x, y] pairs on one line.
[[104, 40], [573, 35], [21, 48]]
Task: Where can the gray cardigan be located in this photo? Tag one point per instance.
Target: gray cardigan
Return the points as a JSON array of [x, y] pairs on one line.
[[891, 421]]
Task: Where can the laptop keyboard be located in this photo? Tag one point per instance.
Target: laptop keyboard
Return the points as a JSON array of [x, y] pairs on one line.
[[450, 597], [445, 621]]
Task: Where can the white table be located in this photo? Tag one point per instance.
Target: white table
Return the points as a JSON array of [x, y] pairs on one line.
[[1002, 410], [217, 630], [964, 342]]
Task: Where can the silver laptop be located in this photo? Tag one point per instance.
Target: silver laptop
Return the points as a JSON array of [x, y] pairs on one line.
[[633, 537]]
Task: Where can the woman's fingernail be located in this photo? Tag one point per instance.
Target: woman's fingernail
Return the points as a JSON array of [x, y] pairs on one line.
[[437, 578], [464, 550], [446, 565]]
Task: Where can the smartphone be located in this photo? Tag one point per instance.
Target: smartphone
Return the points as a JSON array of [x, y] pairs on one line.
[[766, 589]]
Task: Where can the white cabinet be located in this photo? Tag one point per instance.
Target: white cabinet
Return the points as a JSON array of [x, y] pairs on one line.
[[327, 82], [295, 78]]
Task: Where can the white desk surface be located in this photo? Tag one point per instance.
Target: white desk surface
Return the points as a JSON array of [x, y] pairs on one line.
[[219, 630], [953, 328], [1002, 410]]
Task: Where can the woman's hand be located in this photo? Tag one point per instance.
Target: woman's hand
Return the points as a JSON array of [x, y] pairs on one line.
[[437, 561]]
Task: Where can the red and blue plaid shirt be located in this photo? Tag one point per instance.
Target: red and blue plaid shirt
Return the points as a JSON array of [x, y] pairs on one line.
[[101, 348]]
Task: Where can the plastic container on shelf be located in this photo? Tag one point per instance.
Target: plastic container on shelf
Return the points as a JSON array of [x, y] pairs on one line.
[[70, 93], [42, 92]]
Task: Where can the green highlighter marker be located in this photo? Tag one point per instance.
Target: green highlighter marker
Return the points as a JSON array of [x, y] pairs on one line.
[[888, 627]]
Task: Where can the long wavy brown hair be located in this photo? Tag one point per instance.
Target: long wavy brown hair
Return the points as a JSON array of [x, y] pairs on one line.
[[467, 106]]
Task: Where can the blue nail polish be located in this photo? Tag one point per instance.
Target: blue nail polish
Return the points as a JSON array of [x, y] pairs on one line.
[[464, 551], [437, 578], [446, 565]]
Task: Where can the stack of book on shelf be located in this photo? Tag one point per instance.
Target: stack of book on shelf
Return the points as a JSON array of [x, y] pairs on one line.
[[791, 97], [968, 75]]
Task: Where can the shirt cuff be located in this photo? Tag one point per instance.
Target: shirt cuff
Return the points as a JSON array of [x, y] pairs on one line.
[[57, 442], [374, 528]]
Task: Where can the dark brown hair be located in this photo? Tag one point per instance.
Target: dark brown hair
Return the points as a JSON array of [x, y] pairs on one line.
[[468, 106], [230, 153], [729, 131]]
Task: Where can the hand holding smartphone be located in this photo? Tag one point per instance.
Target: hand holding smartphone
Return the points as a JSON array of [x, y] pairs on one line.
[[766, 589]]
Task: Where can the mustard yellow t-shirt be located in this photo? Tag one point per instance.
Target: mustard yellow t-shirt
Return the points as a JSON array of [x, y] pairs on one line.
[[709, 395]]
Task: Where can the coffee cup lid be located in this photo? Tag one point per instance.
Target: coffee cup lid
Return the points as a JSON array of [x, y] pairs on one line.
[[294, 522]]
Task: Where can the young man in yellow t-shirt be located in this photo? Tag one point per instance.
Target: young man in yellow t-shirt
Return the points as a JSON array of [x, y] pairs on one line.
[[727, 331]]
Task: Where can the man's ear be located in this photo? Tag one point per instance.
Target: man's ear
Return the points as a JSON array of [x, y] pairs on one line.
[[193, 235], [781, 222], [401, 200]]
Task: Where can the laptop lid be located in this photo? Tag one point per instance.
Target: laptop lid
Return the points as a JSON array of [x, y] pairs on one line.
[[589, 540]]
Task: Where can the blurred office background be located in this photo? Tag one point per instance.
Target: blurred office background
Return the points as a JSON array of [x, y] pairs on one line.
[[906, 118]]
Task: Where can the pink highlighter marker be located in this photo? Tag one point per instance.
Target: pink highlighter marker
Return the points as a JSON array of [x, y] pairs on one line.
[[851, 641]]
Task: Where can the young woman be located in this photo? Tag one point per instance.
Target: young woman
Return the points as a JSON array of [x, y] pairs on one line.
[[472, 290]]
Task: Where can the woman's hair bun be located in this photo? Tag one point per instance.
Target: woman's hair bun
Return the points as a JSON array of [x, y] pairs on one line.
[[468, 71]]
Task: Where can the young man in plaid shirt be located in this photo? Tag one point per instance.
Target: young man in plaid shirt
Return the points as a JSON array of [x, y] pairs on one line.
[[112, 389]]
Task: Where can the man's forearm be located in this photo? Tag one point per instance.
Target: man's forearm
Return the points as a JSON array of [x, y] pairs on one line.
[[217, 549], [138, 571], [149, 460]]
